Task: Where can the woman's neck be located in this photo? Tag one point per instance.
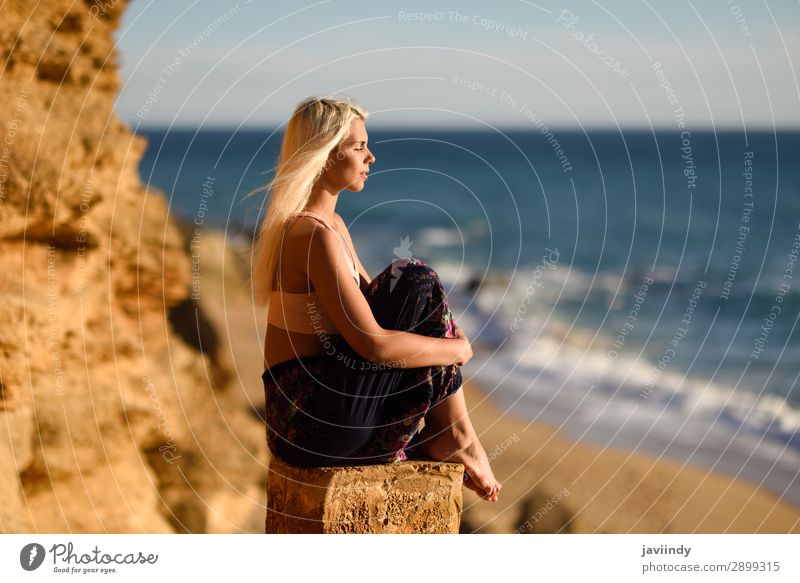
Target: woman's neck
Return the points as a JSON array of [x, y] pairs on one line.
[[322, 202]]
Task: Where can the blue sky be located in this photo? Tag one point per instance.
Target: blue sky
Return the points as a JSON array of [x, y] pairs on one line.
[[509, 63]]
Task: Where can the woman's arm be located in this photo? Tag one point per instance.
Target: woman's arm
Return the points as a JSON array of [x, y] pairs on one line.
[[353, 318]]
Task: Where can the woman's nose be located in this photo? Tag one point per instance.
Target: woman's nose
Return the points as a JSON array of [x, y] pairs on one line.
[[370, 158]]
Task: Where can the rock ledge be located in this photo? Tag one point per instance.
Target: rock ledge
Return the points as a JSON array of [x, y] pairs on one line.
[[406, 497]]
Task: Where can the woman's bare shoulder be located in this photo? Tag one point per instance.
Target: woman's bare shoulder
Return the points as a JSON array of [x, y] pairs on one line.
[[341, 226], [297, 240], [339, 221], [302, 228]]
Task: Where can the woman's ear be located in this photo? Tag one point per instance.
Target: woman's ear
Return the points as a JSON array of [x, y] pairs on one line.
[[330, 161]]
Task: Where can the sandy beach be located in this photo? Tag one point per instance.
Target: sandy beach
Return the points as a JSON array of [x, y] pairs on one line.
[[550, 484], [579, 488]]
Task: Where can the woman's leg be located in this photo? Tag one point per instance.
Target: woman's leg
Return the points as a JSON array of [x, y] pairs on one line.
[[310, 422], [448, 435], [409, 296]]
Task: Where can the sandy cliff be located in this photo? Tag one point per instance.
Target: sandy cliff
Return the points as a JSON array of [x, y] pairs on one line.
[[111, 415]]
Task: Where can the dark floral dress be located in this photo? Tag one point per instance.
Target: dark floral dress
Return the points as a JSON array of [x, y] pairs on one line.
[[337, 408]]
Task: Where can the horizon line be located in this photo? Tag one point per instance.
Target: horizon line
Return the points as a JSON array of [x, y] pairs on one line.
[[564, 129]]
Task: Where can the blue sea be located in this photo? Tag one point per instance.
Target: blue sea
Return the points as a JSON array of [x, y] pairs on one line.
[[636, 289]]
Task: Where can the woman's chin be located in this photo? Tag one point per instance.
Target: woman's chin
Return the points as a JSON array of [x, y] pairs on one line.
[[356, 186]]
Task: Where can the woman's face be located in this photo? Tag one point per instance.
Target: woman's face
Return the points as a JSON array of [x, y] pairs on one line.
[[347, 168]]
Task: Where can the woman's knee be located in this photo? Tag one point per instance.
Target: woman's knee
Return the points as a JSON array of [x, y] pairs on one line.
[[414, 270], [403, 278]]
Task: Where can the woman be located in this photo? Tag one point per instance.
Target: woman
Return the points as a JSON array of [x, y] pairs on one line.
[[353, 365]]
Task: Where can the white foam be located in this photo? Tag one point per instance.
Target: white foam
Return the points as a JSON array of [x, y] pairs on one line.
[[549, 372], [679, 420], [440, 237]]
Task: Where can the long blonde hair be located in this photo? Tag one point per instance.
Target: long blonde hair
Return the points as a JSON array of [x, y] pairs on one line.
[[318, 127]]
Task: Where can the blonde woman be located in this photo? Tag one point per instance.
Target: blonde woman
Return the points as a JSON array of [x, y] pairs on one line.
[[354, 366]]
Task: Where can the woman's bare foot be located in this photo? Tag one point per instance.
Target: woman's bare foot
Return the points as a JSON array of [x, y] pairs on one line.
[[454, 445], [448, 435]]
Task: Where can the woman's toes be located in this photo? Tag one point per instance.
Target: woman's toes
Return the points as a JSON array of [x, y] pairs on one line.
[[482, 488]]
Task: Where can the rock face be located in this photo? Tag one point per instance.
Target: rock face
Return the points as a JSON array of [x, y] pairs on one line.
[[112, 417], [406, 497]]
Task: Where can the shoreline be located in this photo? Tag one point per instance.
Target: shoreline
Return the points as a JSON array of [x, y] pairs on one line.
[[552, 484]]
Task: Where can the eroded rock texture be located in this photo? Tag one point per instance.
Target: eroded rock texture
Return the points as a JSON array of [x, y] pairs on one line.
[[112, 419], [402, 498]]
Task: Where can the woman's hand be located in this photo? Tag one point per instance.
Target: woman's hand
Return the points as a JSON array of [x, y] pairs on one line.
[[465, 354]]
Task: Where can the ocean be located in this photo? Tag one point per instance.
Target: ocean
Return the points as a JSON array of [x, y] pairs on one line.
[[637, 290]]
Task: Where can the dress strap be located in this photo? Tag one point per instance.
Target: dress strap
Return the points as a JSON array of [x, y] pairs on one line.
[[354, 270], [315, 215]]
